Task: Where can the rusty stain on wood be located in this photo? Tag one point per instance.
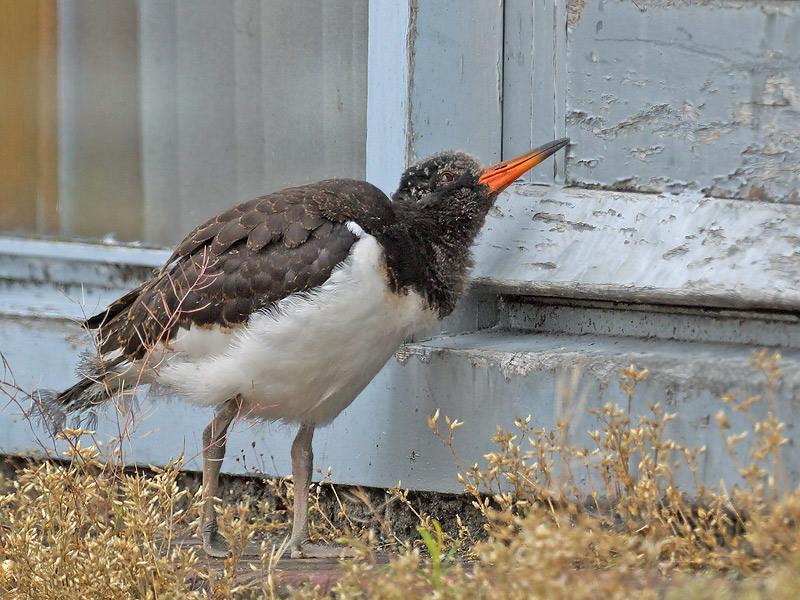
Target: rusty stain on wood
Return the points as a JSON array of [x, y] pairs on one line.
[[574, 12]]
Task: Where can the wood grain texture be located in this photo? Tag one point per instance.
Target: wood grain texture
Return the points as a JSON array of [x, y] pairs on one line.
[[388, 97], [534, 81], [658, 249], [457, 83]]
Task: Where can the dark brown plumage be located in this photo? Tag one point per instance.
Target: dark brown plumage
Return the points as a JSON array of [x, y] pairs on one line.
[[244, 260], [375, 271]]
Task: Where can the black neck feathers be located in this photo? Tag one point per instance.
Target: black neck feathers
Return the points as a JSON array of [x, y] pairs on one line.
[[428, 248]]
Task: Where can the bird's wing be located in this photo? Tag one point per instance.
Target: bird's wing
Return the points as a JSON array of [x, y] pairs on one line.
[[242, 261]]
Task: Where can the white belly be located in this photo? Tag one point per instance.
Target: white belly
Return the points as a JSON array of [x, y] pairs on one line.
[[307, 359]]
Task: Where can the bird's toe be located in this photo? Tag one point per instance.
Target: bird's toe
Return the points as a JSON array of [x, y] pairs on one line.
[[215, 545]]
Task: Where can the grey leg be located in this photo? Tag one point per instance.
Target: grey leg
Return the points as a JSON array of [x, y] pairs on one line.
[[214, 440], [302, 463]]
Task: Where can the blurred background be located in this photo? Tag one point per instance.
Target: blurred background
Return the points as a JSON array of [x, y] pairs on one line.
[[138, 120]]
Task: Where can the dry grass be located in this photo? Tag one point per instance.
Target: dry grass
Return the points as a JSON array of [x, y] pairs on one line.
[[557, 520]]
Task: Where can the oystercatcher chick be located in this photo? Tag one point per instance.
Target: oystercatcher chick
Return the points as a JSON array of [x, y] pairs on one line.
[[283, 308]]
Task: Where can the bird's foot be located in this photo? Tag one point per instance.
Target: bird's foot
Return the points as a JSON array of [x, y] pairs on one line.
[[214, 543], [309, 550]]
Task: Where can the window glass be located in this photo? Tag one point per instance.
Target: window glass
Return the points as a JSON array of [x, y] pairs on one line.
[[168, 111]]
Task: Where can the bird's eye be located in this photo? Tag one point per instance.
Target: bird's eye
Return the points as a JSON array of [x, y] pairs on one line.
[[446, 177]]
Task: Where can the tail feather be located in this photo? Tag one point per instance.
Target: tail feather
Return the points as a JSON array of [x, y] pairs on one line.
[[101, 378], [100, 384], [74, 397]]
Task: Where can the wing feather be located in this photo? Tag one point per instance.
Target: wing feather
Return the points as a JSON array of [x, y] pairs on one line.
[[242, 261]]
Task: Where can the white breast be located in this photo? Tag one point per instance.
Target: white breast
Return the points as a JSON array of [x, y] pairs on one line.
[[306, 359]]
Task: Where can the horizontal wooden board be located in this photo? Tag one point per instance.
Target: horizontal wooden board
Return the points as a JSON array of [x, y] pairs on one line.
[[661, 249]]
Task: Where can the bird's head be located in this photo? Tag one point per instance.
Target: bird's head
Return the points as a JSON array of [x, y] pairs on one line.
[[451, 181], [440, 207]]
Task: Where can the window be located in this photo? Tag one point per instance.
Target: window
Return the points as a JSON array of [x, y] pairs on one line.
[[168, 111]]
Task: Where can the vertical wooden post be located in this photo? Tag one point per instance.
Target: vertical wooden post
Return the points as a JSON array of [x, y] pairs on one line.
[[435, 82], [534, 81]]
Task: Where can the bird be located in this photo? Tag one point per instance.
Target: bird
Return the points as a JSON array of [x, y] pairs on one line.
[[284, 307]]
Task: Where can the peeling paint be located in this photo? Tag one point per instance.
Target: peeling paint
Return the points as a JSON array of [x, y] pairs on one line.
[[662, 119], [590, 163], [680, 241], [560, 223], [602, 361], [767, 6], [411, 41], [542, 265], [698, 110], [644, 153], [676, 251], [574, 12]]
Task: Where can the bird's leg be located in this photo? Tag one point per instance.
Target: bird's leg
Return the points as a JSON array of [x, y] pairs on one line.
[[302, 463], [214, 440]]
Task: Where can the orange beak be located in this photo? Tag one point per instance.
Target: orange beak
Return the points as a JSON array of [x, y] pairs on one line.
[[501, 175]]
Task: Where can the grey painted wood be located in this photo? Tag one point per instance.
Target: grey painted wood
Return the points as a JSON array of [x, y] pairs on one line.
[[456, 78], [561, 82], [388, 97], [652, 321], [539, 240], [676, 96], [435, 83], [534, 81], [529, 102], [69, 280], [559, 242], [485, 379], [659, 249]]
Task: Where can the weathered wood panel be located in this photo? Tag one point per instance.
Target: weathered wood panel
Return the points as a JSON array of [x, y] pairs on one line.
[[534, 81], [485, 379], [389, 94], [456, 58], [659, 249], [686, 95], [435, 83]]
